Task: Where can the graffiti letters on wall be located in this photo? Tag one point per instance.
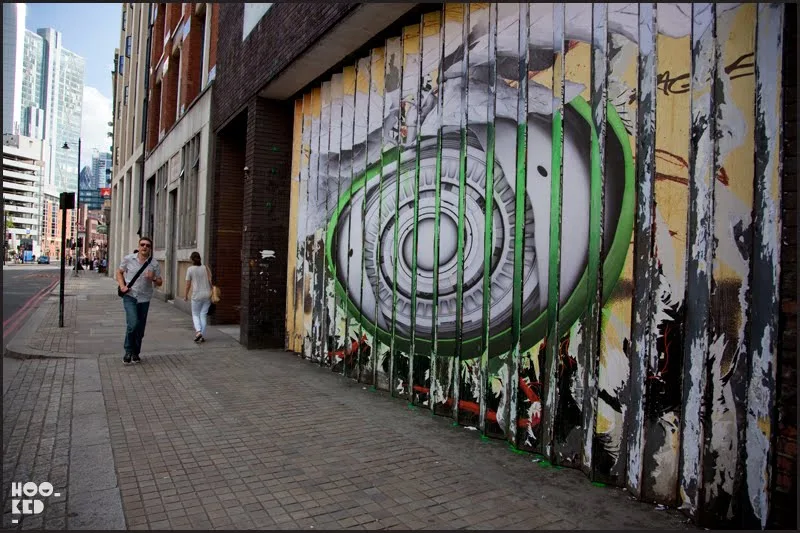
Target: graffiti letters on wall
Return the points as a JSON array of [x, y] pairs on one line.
[[536, 219]]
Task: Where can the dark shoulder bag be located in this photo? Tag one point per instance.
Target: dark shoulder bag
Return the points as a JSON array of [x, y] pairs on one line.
[[133, 280]]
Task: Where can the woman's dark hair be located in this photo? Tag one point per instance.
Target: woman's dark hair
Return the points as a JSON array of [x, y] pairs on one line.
[[195, 257]]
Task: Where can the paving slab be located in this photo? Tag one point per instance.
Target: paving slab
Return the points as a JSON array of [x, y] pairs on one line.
[[216, 436]]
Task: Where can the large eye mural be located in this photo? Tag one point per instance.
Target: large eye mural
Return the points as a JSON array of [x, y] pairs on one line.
[[425, 262], [345, 244]]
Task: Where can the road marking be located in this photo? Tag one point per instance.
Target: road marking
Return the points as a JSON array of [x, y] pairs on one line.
[[13, 323]]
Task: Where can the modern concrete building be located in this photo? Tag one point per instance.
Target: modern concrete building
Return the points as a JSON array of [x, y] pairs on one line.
[[13, 46], [23, 163], [52, 102], [101, 169]]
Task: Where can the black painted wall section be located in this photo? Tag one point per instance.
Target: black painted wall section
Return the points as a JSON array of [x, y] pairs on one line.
[[265, 219]]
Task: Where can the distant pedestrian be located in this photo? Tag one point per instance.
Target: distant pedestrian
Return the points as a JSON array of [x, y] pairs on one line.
[[70, 260], [136, 298], [198, 281]]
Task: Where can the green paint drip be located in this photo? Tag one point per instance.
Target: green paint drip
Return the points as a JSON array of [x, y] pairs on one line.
[[598, 484], [484, 438], [516, 450], [373, 389]]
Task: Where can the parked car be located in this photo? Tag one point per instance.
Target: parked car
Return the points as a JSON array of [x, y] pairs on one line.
[[43, 260]]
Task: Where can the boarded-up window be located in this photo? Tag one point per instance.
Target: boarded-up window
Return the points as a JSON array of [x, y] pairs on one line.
[[160, 233], [188, 202]]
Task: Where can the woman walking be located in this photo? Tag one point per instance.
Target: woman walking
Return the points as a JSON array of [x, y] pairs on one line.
[[198, 281]]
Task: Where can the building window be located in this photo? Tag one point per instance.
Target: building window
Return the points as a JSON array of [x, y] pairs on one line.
[[124, 19], [202, 49], [128, 45], [121, 64], [190, 173], [160, 235], [150, 199], [125, 96]]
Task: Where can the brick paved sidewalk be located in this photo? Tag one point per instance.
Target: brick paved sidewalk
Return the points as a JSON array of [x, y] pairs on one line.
[[215, 436]]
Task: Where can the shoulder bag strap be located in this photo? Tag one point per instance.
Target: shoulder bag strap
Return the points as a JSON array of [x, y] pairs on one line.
[[133, 280]]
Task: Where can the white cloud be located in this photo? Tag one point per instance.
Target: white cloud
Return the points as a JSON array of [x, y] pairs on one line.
[[96, 115]]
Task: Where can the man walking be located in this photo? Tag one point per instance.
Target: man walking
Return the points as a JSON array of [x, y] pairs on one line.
[[136, 297]]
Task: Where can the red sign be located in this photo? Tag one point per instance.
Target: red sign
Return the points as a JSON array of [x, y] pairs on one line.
[[105, 193]]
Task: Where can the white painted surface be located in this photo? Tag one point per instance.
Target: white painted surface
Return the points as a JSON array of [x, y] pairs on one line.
[[252, 14]]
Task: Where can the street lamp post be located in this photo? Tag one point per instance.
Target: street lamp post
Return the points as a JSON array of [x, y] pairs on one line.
[[66, 201], [77, 199]]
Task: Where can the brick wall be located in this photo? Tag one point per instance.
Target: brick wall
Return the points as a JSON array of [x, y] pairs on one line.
[[784, 496], [225, 247], [266, 222], [283, 33]]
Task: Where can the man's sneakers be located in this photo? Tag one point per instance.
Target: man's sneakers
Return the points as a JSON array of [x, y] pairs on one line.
[[131, 357]]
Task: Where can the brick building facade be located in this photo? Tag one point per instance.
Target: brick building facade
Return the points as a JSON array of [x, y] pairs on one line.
[[286, 49]]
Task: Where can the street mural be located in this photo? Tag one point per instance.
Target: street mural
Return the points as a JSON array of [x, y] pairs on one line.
[[538, 219]]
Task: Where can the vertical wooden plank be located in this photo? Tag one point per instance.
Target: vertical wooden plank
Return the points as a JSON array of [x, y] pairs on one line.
[[766, 262], [446, 212], [576, 181], [475, 83], [409, 79], [337, 303], [312, 244], [416, 394], [617, 254], [698, 285], [591, 325], [462, 201], [664, 370], [725, 414], [346, 180], [424, 183], [644, 267], [355, 344], [499, 387], [520, 190], [389, 143], [293, 254], [373, 148], [437, 207], [321, 221], [550, 373], [488, 242], [308, 241], [390, 206]]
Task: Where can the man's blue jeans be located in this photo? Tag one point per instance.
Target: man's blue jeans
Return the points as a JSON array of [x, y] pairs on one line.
[[135, 319]]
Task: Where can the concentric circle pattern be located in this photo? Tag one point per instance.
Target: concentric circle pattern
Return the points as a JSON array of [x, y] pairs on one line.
[[387, 214]]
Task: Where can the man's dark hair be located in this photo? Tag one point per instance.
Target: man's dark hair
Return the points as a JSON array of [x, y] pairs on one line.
[[148, 239]]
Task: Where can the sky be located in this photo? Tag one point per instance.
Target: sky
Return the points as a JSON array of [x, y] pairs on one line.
[[92, 31]]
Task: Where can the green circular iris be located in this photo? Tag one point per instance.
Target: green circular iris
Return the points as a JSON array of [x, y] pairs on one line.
[[577, 302]]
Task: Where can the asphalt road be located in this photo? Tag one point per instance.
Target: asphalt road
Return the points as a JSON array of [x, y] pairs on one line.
[[23, 288]]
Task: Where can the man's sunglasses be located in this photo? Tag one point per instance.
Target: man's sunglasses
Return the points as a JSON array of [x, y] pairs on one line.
[[144, 244]]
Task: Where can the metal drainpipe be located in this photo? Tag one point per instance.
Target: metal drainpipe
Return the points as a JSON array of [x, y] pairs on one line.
[[144, 119]]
